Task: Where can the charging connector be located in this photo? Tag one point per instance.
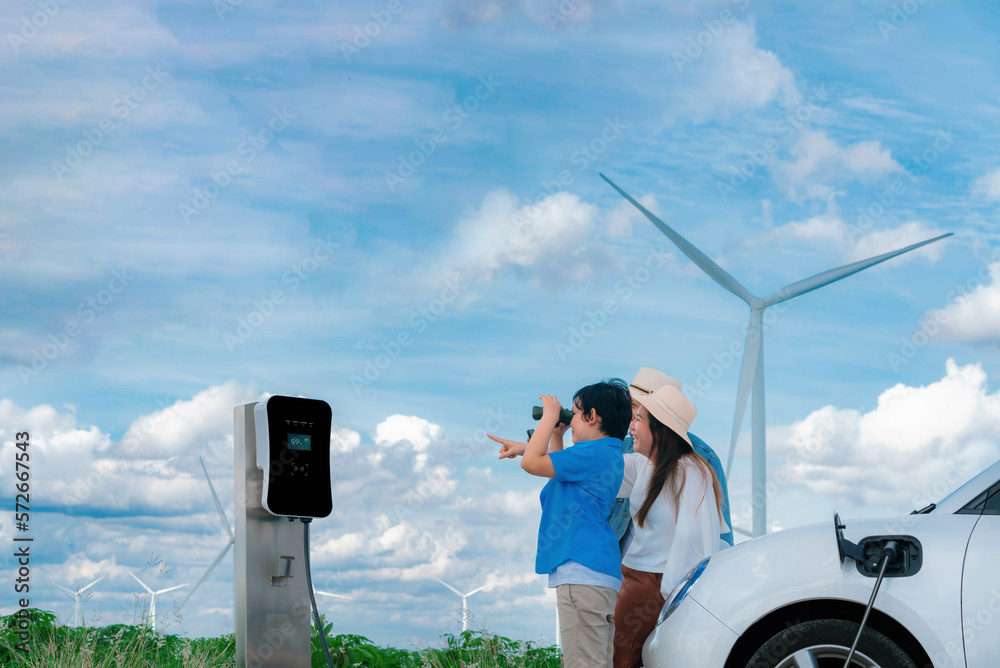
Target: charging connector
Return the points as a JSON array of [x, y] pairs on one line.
[[312, 594], [888, 554]]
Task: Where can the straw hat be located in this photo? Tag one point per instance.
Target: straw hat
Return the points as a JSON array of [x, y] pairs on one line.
[[670, 407], [648, 381]]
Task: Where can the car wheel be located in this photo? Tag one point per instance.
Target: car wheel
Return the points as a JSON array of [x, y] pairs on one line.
[[825, 643]]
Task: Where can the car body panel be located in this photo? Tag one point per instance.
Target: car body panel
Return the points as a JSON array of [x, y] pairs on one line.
[[693, 638], [981, 595], [744, 583], [970, 490]]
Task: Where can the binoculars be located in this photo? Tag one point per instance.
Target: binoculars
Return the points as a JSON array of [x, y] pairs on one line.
[[565, 414]]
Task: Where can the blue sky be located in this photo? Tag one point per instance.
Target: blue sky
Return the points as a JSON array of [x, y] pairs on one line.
[[396, 208]]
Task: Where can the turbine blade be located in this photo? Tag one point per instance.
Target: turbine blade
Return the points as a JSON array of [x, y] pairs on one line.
[[83, 589], [449, 586], [475, 590], [69, 592], [326, 593], [215, 497], [827, 277], [747, 372], [140, 582], [717, 273], [743, 531], [208, 572], [164, 591]]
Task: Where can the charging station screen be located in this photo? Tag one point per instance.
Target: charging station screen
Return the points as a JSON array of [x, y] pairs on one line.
[[299, 442], [295, 435]]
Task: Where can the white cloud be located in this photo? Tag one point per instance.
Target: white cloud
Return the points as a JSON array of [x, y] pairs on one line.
[[823, 229], [988, 185], [415, 430], [500, 505], [818, 162], [77, 31], [883, 107], [548, 239], [733, 74], [343, 440], [829, 230], [625, 215], [406, 550], [465, 15], [206, 420], [974, 315], [884, 241], [915, 446], [553, 14], [148, 472], [80, 570]]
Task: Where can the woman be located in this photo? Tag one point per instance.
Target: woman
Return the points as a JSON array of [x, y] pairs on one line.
[[674, 501]]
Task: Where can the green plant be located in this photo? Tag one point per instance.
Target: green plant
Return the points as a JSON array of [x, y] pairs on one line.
[[33, 639]]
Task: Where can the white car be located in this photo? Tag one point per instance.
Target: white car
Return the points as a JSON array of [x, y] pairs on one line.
[[789, 599]]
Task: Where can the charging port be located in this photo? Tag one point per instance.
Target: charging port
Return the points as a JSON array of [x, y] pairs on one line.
[[907, 562]]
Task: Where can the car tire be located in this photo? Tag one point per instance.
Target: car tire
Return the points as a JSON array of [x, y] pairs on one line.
[[825, 643]]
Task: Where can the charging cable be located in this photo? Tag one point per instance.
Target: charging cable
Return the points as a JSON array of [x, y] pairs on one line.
[[312, 596], [889, 553]]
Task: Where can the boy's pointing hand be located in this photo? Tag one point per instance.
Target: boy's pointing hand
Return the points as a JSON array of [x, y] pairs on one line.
[[509, 449]]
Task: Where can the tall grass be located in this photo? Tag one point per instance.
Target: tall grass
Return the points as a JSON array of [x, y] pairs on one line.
[[49, 645], [45, 644]]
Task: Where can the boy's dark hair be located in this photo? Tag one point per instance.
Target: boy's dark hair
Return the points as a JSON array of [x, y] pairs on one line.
[[613, 403]]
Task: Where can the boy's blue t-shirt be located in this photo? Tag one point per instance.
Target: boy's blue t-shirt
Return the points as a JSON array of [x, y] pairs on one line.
[[575, 507]]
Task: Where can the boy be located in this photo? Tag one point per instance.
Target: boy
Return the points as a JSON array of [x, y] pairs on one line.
[[576, 547]]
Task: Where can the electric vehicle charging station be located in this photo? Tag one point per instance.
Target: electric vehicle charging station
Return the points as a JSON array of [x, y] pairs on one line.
[[282, 472]]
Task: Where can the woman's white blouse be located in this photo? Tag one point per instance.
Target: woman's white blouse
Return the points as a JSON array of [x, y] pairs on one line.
[[663, 544]]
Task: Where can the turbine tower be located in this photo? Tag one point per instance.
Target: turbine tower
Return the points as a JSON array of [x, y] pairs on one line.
[[78, 597], [558, 633], [465, 609], [225, 524], [152, 603], [752, 369]]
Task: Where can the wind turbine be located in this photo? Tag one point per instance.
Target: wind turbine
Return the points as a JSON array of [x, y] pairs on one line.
[[225, 523], [326, 593], [78, 597], [752, 369], [152, 603], [465, 608], [558, 634]]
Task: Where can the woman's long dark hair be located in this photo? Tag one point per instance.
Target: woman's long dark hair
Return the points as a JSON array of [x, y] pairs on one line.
[[666, 452]]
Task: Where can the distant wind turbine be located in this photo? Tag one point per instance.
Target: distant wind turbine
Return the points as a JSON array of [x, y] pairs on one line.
[[152, 602], [558, 635], [78, 597], [225, 524], [465, 609], [326, 593], [752, 370]]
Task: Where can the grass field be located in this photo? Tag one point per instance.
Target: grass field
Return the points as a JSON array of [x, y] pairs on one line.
[[36, 640]]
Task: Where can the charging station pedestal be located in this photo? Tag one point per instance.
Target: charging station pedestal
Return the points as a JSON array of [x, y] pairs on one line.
[[272, 595]]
